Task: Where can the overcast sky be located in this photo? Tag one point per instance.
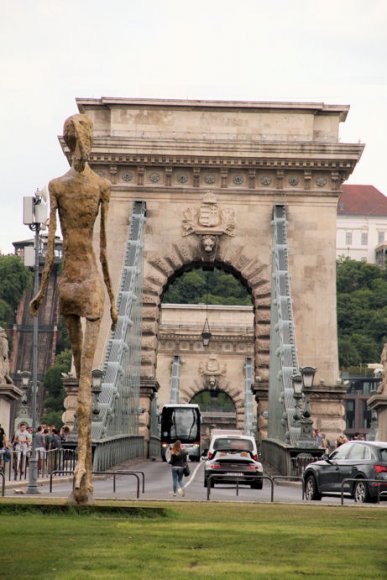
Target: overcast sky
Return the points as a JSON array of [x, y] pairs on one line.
[[52, 51]]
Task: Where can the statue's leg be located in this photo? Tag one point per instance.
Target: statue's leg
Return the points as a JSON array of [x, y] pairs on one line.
[[73, 325], [83, 487]]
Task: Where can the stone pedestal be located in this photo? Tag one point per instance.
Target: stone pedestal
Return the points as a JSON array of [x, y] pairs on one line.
[[9, 395], [328, 411], [70, 385], [378, 403], [148, 389], [260, 390]]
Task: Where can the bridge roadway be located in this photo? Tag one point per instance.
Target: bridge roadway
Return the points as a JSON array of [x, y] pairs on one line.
[[158, 486]]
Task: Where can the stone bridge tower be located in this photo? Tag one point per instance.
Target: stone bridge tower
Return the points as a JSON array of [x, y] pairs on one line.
[[210, 173]]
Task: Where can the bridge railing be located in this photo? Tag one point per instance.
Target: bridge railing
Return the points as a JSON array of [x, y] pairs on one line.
[[154, 446], [15, 464], [115, 450], [283, 352]]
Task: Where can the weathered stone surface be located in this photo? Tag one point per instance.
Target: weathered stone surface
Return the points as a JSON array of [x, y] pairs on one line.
[[259, 154], [4, 359], [80, 196]]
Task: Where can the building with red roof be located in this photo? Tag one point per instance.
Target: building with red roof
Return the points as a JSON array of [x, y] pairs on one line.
[[362, 224]]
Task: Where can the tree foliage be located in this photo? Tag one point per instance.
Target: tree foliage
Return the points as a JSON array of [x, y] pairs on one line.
[[54, 391], [14, 279], [207, 287], [361, 311], [7, 315]]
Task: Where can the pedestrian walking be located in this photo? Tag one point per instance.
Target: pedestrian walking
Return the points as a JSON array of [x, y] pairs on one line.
[[178, 462]]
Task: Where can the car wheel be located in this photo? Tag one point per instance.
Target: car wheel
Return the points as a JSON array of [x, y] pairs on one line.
[[256, 485], [360, 492], [311, 490]]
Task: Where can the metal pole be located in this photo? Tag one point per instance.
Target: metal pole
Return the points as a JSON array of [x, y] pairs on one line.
[[33, 471]]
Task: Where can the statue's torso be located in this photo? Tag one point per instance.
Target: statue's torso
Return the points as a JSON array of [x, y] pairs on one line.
[[78, 198]]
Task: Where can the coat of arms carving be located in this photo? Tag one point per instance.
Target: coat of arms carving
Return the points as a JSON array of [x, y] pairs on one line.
[[209, 222], [212, 372]]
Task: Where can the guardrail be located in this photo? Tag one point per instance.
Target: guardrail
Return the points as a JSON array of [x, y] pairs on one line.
[[15, 464], [239, 479], [347, 480], [2, 483], [135, 474]]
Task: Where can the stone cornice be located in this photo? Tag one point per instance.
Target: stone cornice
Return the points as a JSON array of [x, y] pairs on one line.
[[140, 151], [377, 401], [291, 106], [10, 391]]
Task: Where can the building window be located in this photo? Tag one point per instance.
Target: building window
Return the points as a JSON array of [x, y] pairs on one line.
[[364, 239], [348, 238], [366, 415], [380, 237], [350, 413]]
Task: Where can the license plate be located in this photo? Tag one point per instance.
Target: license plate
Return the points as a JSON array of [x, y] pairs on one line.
[[234, 473]]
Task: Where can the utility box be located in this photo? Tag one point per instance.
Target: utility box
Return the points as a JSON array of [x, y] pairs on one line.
[[33, 213], [29, 256], [28, 210]]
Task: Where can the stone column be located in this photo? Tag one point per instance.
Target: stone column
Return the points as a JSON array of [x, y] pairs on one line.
[[148, 389], [70, 385], [260, 390], [328, 411], [9, 394]]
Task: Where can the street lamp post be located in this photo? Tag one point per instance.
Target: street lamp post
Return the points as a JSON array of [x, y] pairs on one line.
[[34, 215], [206, 333], [297, 394], [302, 385]]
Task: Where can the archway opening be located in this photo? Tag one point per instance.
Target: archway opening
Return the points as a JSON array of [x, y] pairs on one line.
[[219, 284], [217, 375]]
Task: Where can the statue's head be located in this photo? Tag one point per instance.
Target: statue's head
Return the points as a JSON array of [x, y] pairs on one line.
[[78, 136]]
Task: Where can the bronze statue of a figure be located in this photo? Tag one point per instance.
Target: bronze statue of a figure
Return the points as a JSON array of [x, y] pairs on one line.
[[79, 196]]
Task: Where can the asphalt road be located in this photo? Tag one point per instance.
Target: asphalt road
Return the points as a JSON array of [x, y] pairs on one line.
[[158, 486]]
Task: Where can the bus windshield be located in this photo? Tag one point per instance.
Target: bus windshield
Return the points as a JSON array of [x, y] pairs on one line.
[[180, 423]]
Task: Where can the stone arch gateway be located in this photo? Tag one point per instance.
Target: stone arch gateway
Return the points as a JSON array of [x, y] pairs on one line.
[[210, 173]]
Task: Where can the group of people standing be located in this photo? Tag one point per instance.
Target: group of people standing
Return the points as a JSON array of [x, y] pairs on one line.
[[47, 438], [322, 440]]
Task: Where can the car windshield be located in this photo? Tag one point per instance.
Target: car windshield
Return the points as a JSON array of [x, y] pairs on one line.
[[180, 423], [233, 443]]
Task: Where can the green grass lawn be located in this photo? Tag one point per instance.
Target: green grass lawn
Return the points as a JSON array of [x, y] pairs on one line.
[[197, 540]]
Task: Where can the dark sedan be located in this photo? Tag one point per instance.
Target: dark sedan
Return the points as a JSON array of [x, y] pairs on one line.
[[359, 460]]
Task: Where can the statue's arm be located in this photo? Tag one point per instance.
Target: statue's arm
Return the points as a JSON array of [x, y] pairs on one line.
[[103, 256], [37, 300]]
